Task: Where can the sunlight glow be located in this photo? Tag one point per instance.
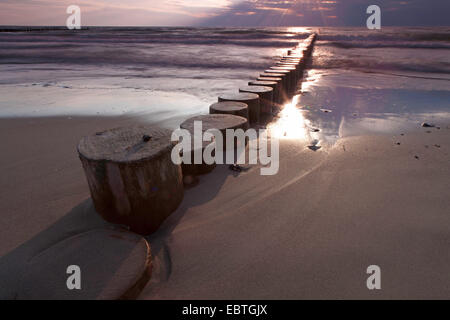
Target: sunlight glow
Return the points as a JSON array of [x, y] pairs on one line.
[[299, 30], [311, 79], [291, 124]]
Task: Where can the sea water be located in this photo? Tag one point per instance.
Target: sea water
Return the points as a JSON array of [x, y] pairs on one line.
[[372, 81]]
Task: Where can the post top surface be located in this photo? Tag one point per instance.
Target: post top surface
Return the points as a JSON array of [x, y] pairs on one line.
[[126, 144], [273, 74], [229, 106], [270, 79], [242, 96], [214, 121], [256, 89], [278, 71], [263, 83], [276, 68]]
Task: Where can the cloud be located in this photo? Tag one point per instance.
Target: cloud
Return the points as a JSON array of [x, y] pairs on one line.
[[110, 12], [332, 13], [226, 12]]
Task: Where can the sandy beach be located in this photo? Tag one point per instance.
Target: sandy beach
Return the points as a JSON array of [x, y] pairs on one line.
[[309, 232], [361, 182]]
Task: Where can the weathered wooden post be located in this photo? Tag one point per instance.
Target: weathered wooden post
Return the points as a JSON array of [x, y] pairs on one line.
[[131, 176], [278, 98], [295, 65], [289, 79], [292, 74], [266, 94], [275, 87], [295, 61], [296, 57], [300, 63], [221, 122], [251, 99], [230, 107], [298, 68], [285, 83]]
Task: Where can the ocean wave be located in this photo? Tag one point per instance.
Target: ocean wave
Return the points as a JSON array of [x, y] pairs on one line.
[[9, 44], [120, 58], [183, 36], [379, 65], [374, 45], [388, 35]]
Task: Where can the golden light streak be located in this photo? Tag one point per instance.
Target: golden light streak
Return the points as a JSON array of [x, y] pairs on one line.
[[291, 123]]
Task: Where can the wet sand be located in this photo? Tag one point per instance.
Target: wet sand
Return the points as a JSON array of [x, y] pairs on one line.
[[309, 232], [312, 230]]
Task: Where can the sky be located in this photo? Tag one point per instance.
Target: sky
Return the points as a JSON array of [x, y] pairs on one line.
[[225, 12]]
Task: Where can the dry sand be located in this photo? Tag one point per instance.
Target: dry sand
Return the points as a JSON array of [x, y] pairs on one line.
[[44, 194], [309, 232]]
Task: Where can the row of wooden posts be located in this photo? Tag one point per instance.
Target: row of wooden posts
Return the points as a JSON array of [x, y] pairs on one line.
[[131, 176]]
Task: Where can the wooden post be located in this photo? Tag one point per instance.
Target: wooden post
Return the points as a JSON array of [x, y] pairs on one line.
[[275, 85], [285, 82], [266, 94], [251, 99], [230, 107], [220, 122], [213, 121], [295, 65], [299, 62], [293, 74], [298, 69], [278, 99], [289, 79], [131, 176]]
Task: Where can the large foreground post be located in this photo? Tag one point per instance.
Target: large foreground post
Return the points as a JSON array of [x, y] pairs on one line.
[[131, 176]]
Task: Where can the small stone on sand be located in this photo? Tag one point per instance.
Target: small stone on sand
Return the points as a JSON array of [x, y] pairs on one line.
[[427, 125], [235, 168], [146, 138], [314, 148]]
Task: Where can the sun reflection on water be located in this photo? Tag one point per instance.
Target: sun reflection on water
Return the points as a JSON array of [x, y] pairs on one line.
[[299, 30], [312, 79], [291, 123]]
